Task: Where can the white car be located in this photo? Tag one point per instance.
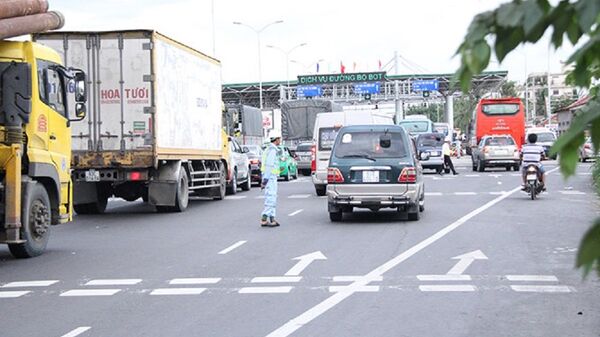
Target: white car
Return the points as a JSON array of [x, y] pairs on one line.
[[239, 168]]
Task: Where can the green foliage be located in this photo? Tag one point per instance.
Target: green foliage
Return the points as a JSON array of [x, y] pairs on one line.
[[508, 89], [523, 21]]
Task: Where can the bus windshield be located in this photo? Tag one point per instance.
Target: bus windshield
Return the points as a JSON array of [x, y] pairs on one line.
[[500, 109]]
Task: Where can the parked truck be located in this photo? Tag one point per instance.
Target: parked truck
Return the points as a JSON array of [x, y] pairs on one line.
[[154, 126], [40, 100], [244, 123], [298, 118]]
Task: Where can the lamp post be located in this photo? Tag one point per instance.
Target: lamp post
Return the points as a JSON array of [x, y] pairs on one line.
[[307, 66], [258, 31], [287, 58]]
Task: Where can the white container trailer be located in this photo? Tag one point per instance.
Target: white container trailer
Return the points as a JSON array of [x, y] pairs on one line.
[[153, 128]]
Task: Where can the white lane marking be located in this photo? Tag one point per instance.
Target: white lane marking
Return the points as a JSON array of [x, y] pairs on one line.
[[304, 261], [235, 197], [472, 175], [276, 279], [516, 175], [444, 277], [77, 332], [114, 282], [182, 281], [433, 194], [345, 278], [296, 212], [532, 278], [465, 260], [265, 290], [299, 196], [89, 292], [449, 287], [23, 284], [13, 294], [497, 193], [177, 291], [232, 247], [361, 289], [465, 193], [259, 197], [541, 289], [316, 311], [571, 192]]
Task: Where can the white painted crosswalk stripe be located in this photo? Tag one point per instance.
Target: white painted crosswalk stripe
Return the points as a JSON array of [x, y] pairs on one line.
[[235, 197], [276, 279], [13, 294], [465, 193], [89, 292], [344, 278], [444, 277], [191, 281], [448, 288], [361, 289], [299, 196], [433, 194], [24, 284], [265, 290], [532, 278], [177, 291], [541, 289], [114, 282]]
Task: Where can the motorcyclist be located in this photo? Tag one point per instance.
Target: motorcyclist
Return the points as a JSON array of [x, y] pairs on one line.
[[532, 154]]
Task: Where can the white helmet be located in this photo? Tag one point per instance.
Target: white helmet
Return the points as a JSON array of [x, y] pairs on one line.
[[274, 134], [447, 139]]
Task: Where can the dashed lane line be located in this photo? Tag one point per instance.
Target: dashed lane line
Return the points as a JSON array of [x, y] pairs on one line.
[[448, 288], [232, 247], [361, 289], [177, 291], [89, 292], [352, 278], [76, 332], [114, 282], [532, 278], [276, 279], [195, 281], [465, 193], [299, 196], [13, 294], [444, 277], [24, 284], [265, 290], [296, 212], [541, 289]]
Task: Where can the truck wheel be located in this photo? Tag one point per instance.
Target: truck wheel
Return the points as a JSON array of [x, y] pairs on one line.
[[321, 190], [35, 220], [97, 207], [219, 192], [182, 195], [248, 184], [232, 188]]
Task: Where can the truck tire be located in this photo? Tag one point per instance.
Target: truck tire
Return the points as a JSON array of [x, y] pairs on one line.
[[218, 193], [182, 195], [97, 207], [35, 220], [232, 188]]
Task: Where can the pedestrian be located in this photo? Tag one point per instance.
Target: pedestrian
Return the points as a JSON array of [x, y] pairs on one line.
[[270, 173], [447, 153]]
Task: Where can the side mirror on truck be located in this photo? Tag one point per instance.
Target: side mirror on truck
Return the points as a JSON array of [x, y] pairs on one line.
[[80, 88], [80, 111]]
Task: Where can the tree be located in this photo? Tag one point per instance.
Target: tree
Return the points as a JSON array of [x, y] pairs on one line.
[[523, 21], [508, 89]]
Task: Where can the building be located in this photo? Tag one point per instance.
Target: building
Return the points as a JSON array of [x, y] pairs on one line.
[[565, 115]]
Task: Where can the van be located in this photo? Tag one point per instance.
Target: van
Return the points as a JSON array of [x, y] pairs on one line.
[[417, 124], [327, 126], [546, 139]]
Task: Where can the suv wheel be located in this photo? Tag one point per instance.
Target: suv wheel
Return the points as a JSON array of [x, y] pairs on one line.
[[321, 190], [336, 216]]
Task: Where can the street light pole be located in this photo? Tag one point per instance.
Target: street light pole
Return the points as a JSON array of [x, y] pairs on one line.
[[287, 58], [258, 31]]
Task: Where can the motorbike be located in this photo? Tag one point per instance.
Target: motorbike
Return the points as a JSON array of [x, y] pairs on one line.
[[534, 185]]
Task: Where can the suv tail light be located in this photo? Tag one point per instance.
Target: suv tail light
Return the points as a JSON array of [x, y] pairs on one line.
[[313, 158], [486, 149], [334, 176], [408, 175]]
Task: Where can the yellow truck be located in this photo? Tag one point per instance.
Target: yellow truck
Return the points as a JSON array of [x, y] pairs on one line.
[[36, 112], [154, 124]]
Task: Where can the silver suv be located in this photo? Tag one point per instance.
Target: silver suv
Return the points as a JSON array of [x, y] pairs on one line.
[[496, 151]]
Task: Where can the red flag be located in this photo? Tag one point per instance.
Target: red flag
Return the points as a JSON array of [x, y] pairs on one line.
[[342, 68], [379, 64]]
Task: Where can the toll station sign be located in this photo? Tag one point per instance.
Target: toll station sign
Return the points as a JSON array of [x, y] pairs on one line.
[[341, 78]]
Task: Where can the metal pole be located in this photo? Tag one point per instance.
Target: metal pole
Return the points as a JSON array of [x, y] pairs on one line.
[[396, 63], [450, 113], [287, 72], [212, 8], [549, 102], [260, 90]]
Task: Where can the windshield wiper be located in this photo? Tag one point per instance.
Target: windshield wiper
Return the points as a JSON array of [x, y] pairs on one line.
[[365, 156]]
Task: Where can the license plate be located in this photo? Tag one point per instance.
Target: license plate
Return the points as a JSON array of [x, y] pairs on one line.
[[92, 175], [370, 176], [501, 153], [531, 177]]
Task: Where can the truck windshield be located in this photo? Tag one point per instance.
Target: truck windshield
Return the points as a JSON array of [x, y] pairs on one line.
[[367, 145], [415, 126]]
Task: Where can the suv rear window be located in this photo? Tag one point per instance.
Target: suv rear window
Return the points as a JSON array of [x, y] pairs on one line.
[[415, 126], [367, 144], [430, 140], [499, 141], [327, 138]]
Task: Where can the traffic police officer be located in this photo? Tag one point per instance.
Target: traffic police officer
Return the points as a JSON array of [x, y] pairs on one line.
[[270, 169]]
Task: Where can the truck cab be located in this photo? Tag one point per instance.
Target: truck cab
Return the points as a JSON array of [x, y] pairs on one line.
[[35, 143]]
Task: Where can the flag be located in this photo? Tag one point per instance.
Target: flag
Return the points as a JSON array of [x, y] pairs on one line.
[[342, 68], [317, 67], [379, 64], [354, 67]]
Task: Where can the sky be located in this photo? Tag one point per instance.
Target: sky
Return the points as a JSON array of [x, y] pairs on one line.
[[424, 33]]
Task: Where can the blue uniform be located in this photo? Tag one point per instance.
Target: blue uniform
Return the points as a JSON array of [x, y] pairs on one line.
[[270, 172]]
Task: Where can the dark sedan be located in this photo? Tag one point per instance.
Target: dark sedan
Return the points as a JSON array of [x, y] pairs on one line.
[[255, 157]]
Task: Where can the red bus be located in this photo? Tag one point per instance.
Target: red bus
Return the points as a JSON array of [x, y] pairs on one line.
[[500, 116]]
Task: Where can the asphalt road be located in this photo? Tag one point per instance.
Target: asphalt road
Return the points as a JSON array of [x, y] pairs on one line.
[[482, 261]]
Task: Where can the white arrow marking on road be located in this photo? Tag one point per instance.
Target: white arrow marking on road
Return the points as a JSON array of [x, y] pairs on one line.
[[465, 261], [305, 261]]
